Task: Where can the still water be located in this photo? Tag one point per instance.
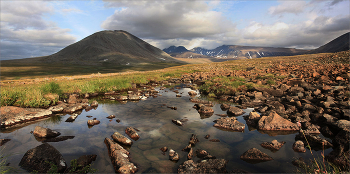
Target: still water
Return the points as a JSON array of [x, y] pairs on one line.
[[153, 119]]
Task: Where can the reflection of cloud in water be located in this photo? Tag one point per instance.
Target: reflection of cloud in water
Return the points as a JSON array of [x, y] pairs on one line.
[[154, 133]]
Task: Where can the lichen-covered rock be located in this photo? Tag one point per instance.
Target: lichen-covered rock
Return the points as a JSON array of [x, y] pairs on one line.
[[298, 146], [119, 157], [230, 123], [45, 132], [254, 155], [276, 122], [39, 159], [119, 138], [173, 156], [273, 146], [205, 166], [235, 111], [132, 133]]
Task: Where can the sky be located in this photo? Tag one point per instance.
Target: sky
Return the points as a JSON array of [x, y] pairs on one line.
[[40, 28]]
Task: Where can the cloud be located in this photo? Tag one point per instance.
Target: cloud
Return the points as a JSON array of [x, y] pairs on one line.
[[25, 32], [336, 2], [166, 19], [294, 7], [71, 10]]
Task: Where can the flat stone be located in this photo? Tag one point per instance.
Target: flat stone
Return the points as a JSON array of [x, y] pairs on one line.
[[230, 123], [45, 132]]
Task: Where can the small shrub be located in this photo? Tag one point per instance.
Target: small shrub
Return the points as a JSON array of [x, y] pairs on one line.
[[52, 87], [271, 82]]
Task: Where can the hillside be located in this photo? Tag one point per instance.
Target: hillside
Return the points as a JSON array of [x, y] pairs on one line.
[[105, 47], [341, 43]]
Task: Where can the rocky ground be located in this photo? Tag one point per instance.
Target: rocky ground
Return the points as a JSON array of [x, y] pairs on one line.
[[310, 96]]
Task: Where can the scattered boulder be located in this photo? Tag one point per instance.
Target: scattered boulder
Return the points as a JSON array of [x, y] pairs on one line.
[[273, 146], [298, 146], [94, 103], [224, 107], [39, 159], [190, 154], [45, 132], [119, 138], [205, 166], [119, 157], [93, 122], [177, 122], [207, 136], [164, 149], [72, 118], [72, 99], [111, 116], [229, 123], [205, 110], [192, 93], [235, 111], [202, 154], [254, 155], [252, 119], [276, 122], [173, 156], [193, 139], [132, 133]]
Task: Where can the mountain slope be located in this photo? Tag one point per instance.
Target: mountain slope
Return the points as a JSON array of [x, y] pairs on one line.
[[117, 47], [341, 43]]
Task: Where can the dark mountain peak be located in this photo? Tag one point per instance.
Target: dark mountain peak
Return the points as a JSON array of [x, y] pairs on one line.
[[110, 46], [338, 44], [174, 49]]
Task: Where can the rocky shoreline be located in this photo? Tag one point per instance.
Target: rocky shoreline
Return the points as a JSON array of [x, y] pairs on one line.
[[312, 99]]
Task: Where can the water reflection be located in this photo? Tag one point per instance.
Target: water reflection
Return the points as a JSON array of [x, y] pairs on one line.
[[153, 118]]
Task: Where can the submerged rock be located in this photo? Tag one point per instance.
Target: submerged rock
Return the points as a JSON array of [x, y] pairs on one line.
[[45, 132], [205, 166], [39, 159], [230, 123], [82, 162], [254, 155], [3, 141], [273, 146], [58, 139], [164, 149]]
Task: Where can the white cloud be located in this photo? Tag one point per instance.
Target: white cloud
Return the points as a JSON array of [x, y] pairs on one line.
[[295, 7], [166, 19], [24, 29]]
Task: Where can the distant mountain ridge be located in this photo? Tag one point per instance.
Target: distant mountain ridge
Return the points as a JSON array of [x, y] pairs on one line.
[[118, 47], [248, 52]]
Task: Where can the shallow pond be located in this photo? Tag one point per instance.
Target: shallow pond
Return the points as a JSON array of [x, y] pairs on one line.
[[153, 119]]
